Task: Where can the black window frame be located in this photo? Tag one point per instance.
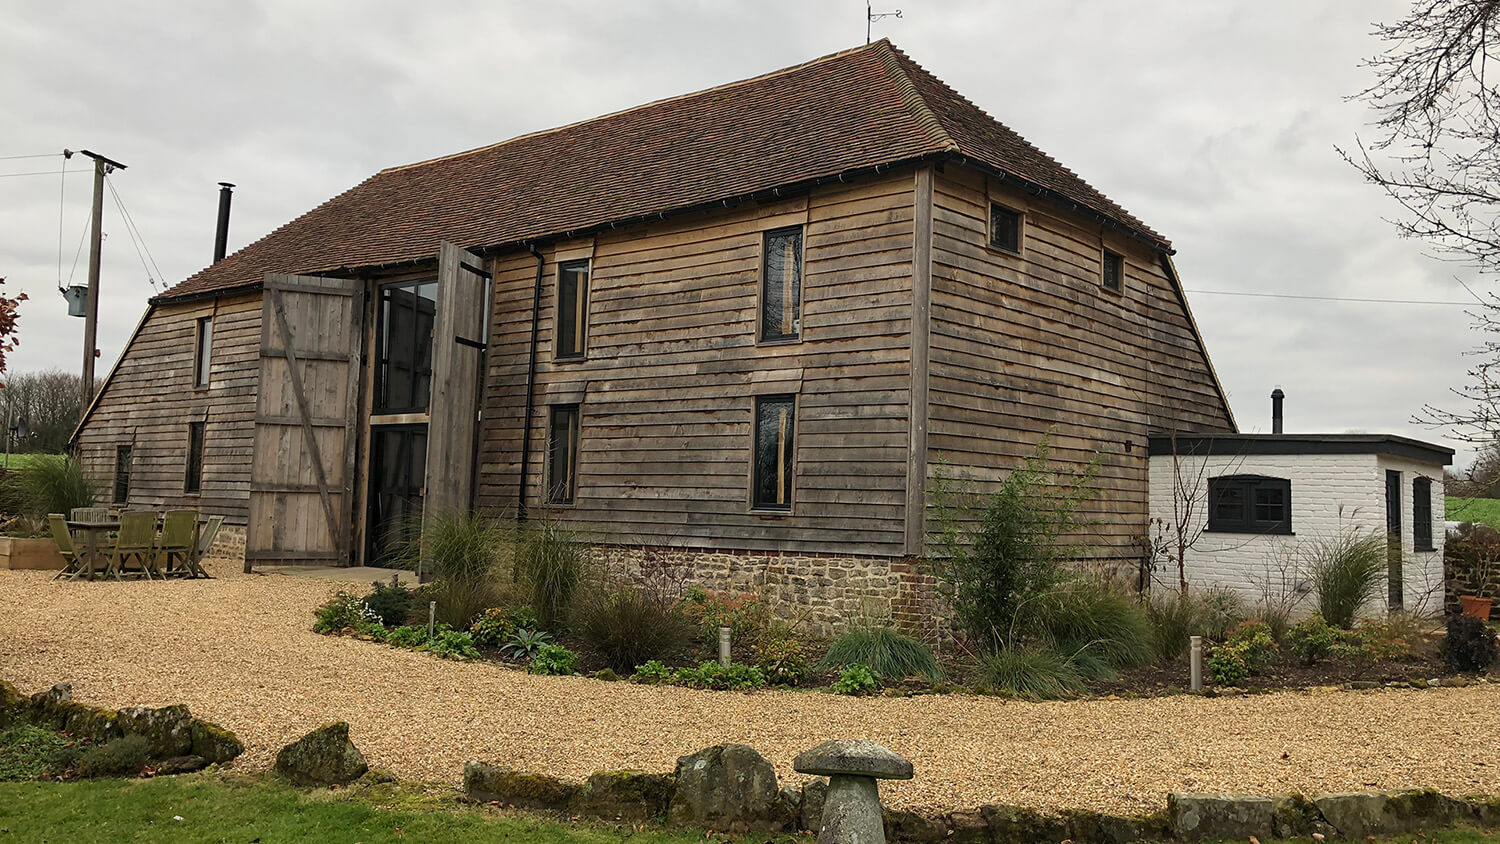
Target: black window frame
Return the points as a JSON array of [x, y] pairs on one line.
[[759, 482], [1421, 514], [798, 281], [382, 403], [579, 315], [203, 349], [1246, 486], [192, 481], [1112, 272], [1014, 228], [122, 473], [567, 493]]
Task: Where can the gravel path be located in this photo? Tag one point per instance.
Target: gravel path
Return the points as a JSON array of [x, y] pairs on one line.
[[239, 651]]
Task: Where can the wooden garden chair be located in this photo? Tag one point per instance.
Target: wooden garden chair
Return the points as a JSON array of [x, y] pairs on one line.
[[179, 529], [64, 542], [206, 539], [137, 542], [89, 514]]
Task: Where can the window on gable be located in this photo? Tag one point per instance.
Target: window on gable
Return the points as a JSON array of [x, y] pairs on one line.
[[204, 345], [1421, 514], [775, 447], [1249, 504], [572, 308], [193, 481], [1005, 228], [781, 285], [403, 346], [1114, 272], [122, 474], [562, 454]]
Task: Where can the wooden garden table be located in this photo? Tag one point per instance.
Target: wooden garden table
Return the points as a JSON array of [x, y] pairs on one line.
[[89, 559]]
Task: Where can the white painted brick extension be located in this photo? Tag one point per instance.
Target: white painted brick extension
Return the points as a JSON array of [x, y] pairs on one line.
[[1330, 493]]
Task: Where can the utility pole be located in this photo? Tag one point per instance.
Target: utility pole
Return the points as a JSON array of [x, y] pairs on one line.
[[102, 167]]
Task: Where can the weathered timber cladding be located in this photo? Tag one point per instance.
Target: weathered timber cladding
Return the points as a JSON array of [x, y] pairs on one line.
[[150, 399], [667, 389], [1024, 343]]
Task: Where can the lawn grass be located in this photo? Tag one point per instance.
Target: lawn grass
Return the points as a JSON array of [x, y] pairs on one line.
[[1486, 510], [222, 807], [21, 461]]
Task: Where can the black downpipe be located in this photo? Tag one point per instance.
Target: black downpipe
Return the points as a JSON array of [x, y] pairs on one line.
[[536, 317], [221, 233]]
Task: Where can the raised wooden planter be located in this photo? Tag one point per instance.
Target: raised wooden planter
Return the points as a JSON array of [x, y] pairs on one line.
[[30, 554]]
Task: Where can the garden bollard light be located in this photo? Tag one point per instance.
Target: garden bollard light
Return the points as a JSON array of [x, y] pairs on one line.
[[851, 811], [1195, 649], [724, 633], [431, 619]]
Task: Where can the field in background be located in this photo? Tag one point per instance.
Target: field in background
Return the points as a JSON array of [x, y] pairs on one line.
[[21, 461], [1486, 510]]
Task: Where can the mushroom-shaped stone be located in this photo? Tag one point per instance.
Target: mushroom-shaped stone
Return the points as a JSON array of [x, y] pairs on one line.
[[853, 757]]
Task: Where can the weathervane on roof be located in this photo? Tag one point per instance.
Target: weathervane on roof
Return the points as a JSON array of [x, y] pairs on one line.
[[871, 17]]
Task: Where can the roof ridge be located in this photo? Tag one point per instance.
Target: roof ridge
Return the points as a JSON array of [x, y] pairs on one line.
[[653, 103], [926, 117]]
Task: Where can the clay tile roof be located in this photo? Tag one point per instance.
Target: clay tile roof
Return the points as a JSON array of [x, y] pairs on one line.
[[845, 112]]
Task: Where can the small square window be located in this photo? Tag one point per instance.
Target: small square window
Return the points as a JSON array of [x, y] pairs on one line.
[[572, 308], [1005, 228], [775, 451], [193, 482], [562, 454], [781, 285], [1114, 272], [1249, 504]]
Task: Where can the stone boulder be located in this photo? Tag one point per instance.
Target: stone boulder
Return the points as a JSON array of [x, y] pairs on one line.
[[169, 729], [214, 743], [1087, 827], [631, 796], [12, 705], [728, 787], [180, 765], [968, 827], [1193, 817], [323, 757], [902, 825], [487, 783], [1358, 814], [814, 796], [1015, 825]]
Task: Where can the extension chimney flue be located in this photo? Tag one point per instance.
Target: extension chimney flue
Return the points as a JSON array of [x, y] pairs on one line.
[[1276, 398], [221, 236]]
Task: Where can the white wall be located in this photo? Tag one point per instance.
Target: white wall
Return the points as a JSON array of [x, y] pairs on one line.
[[1331, 493]]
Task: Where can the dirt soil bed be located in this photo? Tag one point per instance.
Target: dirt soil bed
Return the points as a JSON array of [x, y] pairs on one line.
[[239, 650]]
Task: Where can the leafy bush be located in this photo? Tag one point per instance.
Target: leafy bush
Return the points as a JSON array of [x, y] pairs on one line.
[[743, 613], [525, 644], [1380, 640], [1036, 671], [553, 659], [711, 675], [549, 566], [1223, 610], [495, 626], [1277, 618], [1346, 570], [856, 679], [652, 673], [1469, 645], [122, 757], [465, 553], [628, 627], [453, 644], [390, 602], [892, 655], [1312, 639], [344, 611], [407, 636], [51, 485], [1228, 665], [1254, 639], [782, 656]]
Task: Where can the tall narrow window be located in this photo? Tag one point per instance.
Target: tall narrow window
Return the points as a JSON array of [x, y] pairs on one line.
[[122, 474], [193, 480], [403, 346], [1005, 228], [781, 285], [205, 347], [562, 454], [1421, 514], [572, 308], [774, 451], [1114, 272]]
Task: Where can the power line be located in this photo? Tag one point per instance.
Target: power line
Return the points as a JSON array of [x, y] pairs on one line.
[[36, 173], [136, 237], [62, 187], [38, 155], [1328, 298]]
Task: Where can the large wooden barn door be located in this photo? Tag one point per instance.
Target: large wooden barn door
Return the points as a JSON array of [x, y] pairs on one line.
[[301, 480], [458, 356]]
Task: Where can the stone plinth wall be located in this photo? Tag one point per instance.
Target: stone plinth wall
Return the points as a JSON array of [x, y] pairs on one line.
[[229, 545]]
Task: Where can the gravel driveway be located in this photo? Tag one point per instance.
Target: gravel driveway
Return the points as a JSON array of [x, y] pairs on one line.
[[239, 651]]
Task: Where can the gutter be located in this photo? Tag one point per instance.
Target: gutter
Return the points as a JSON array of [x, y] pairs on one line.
[[536, 316]]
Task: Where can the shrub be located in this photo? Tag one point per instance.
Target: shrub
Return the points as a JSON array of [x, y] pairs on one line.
[[495, 626], [50, 485], [1345, 572], [1312, 639], [1223, 610], [1036, 671], [550, 565], [1254, 639], [390, 602], [465, 553], [892, 655], [711, 675], [1469, 645], [1228, 665], [628, 627], [1380, 640], [781, 656], [856, 679], [1175, 619], [525, 644], [1277, 618], [652, 673], [407, 636], [742, 613], [344, 611], [453, 644], [122, 757], [1097, 626], [553, 659]]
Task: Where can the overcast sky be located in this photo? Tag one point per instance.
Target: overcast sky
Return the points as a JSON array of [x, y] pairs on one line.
[[1213, 122]]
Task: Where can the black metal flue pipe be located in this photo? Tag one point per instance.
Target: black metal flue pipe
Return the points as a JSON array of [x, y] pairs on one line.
[[221, 235], [1276, 398]]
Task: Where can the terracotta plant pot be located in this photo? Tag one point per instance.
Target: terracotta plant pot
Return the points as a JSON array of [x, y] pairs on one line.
[[1477, 607]]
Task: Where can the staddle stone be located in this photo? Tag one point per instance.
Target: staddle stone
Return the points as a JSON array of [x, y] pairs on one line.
[[855, 758]]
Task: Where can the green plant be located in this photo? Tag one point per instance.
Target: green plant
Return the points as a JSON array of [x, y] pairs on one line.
[[1175, 619], [711, 675], [782, 656], [1223, 610], [1098, 627], [856, 679], [124, 756], [744, 614], [1035, 671], [525, 644], [1346, 569], [52, 486], [1383, 640], [1228, 665], [891, 654], [629, 626], [550, 565], [652, 673], [344, 611], [553, 659], [464, 553], [407, 636], [495, 626], [390, 602], [607, 675], [453, 644], [1469, 645], [1253, 638], [1312, 639], [1277, 618], [28, 752]]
